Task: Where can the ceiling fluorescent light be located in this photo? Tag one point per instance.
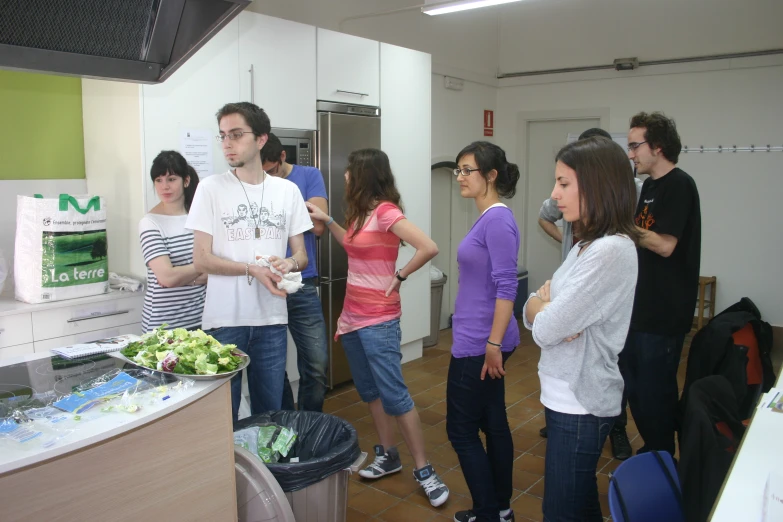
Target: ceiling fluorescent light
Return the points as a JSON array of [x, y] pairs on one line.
[[439, 8]]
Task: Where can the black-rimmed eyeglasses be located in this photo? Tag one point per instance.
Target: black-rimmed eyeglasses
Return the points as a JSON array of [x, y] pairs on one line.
[[233, 135], [635, 145], [463, 172]]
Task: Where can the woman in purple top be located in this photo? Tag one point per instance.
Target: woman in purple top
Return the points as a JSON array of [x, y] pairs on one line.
[[485, 333]]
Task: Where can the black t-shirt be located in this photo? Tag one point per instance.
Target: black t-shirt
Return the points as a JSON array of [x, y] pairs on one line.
[[667, 288]]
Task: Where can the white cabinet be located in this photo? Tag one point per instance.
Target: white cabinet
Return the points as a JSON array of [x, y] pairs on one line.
[[348, 68], [80, 318], [30, 328], [189, 100], [406, 108], [277, 69], [16, 350], [86, 337], [15, 330]]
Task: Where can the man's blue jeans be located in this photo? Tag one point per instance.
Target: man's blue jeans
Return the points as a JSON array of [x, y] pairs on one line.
[[308, 329], [266, 346], [573, 446]]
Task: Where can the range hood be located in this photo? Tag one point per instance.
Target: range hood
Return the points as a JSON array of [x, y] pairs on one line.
[[142, 41]]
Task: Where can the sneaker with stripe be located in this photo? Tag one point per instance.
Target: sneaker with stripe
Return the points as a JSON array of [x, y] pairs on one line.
[[435, 489], [385, 462]]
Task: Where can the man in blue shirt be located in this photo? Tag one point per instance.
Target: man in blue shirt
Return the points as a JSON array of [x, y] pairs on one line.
[[305, 315]]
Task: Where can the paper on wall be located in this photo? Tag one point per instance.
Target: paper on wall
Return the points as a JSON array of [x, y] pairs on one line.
[[196, 147]]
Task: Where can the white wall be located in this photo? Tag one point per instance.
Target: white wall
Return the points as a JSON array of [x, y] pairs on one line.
[[742, 238], [113, 163], [457, 120], [551, 34]]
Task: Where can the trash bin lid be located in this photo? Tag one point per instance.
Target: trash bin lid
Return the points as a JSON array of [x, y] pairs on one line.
[[259, 496]]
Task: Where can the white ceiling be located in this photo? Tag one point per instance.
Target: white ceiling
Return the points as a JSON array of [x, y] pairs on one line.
[[550, 34]]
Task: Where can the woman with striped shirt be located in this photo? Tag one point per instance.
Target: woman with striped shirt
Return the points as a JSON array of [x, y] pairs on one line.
[[370, 322], [175, 290]]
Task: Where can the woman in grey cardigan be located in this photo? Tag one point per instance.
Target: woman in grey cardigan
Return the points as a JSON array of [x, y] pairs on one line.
[[580, 320]]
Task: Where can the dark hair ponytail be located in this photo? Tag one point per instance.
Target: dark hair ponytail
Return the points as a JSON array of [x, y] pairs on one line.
[[190, 190], [490, 157], [173, 163], [506, 183]]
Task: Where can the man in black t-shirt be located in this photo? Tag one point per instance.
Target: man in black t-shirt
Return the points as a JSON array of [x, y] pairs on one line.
[[668, 217]]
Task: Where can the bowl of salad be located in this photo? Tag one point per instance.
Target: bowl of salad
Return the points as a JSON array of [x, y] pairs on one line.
[[192, 354]]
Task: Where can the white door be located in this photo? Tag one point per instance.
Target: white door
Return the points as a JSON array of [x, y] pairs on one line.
[[408, 148], [544, 140], [348, 68], [277, 61]]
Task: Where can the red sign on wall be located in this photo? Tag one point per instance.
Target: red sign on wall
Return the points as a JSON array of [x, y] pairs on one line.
[[489, 119], [488, 132]]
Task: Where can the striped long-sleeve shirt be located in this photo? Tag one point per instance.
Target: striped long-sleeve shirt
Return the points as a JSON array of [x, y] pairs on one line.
[[179, 307]]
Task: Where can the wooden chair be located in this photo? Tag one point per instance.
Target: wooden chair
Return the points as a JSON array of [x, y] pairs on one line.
[[704, 282]]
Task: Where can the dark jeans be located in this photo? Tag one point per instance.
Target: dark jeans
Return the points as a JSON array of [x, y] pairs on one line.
[[573, 446], [649, 365], [473, 405], [266, 346], [308, 330]]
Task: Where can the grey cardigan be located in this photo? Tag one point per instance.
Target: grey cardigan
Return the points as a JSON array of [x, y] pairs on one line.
[[591, 294]]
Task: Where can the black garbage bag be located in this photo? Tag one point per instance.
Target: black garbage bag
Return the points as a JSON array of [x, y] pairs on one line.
[[325, 444]]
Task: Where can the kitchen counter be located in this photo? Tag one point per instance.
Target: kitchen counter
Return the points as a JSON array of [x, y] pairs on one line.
[[172, 459]]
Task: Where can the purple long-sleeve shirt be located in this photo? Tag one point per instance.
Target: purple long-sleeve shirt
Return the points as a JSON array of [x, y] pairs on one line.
[[487, 261]]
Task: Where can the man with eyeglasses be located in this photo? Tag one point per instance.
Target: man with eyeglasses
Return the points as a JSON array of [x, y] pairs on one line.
[[668, 217], [547, 216], [243, 306], [305, 314]]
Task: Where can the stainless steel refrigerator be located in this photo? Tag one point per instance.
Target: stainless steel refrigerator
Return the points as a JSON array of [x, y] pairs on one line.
[[342, 129]]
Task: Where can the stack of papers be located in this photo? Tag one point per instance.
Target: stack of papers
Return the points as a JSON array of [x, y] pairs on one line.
[[112, 344]]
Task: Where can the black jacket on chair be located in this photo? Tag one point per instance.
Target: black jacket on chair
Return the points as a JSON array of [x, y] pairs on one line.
[[711, 432], [713, 352]]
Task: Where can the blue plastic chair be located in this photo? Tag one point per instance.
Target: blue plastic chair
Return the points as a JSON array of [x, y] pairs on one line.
[[645, 488]]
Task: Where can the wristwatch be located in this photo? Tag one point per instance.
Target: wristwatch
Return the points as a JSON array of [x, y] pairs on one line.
[[397, 273]]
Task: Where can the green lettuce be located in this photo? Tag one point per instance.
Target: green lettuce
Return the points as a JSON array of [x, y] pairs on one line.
[[197, 353]]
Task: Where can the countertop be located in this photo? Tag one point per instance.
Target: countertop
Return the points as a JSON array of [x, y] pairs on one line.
[[97, 426]]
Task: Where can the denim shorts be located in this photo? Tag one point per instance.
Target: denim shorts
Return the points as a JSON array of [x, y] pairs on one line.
[[374, 356]]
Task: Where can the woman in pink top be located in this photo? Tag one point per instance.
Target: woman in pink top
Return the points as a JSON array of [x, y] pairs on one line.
[[370, 322]]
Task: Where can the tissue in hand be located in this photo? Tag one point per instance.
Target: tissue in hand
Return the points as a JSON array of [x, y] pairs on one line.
[[291, 282]]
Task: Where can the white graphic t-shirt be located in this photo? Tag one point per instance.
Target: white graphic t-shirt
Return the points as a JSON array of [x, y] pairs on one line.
[[231, 215]]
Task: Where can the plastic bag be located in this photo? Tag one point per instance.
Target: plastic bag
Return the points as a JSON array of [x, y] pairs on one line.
[[435, 273], [269, 442], [325, 444], [60, 248]]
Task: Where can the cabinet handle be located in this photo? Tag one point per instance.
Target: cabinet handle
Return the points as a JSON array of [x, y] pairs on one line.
[[97, 316], [252, 85], [351, 92]]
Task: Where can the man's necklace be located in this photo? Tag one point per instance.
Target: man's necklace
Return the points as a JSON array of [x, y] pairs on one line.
[[249, 205]]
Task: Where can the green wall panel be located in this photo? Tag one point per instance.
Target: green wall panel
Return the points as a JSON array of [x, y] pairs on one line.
[[41, 132]]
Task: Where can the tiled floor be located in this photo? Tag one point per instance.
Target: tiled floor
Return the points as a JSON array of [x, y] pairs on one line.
[[398, 498]]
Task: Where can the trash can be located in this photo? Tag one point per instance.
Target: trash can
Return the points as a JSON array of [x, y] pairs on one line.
[[259, 496], [436, 301], [316, 486], [521, 299]]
